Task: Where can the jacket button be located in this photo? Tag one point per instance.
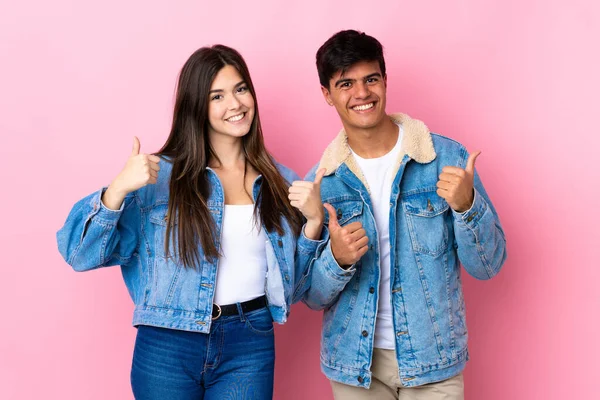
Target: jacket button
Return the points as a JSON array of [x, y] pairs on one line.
[[470, 219], [371, 290], [279, 243], [365, 333], [339, 212], [287, 277], [360, 379]]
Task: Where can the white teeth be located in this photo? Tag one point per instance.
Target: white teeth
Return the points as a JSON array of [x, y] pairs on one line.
[[235, 118], [363, 107]]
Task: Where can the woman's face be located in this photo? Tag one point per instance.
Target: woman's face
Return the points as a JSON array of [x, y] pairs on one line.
[[230, 104]]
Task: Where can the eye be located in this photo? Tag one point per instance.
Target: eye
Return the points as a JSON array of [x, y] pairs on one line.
[[345, 85], [216, 97], [242, 89], [372, 80]]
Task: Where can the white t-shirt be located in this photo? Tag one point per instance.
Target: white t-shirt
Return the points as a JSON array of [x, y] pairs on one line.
[[242, 268], [380, 175]]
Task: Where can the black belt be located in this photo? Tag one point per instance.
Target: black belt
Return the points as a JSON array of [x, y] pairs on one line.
[[232, 309]]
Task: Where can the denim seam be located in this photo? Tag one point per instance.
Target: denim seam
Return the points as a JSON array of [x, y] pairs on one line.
[[411, 353], [480, 251], [299, 285], [351, 305], [448, 295], [304, 249], [430, 308], [338, 277]]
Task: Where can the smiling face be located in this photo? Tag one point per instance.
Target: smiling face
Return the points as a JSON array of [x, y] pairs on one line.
[[358, 95], [230, 104]]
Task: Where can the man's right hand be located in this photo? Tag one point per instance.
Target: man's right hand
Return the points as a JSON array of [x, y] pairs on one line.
[[140, 170], [348, 243]]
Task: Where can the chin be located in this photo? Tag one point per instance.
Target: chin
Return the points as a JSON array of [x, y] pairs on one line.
[[367, 122], [240, 133]]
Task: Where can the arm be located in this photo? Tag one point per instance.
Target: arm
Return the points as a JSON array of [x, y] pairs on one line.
[[307, 251], [323, 278], [334, 267], [327, 280], [104, 228], [479, 236], [94, 236]]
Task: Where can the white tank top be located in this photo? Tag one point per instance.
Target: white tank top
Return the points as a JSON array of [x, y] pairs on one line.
[[242, 268]]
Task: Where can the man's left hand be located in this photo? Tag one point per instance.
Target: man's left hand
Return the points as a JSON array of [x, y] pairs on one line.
[[455, 184]]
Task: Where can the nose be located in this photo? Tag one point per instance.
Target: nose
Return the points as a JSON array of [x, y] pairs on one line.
[[234, 103], [362, 90]]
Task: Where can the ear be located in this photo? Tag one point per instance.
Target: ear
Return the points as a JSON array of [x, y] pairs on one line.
[[326, 95], [385, 80]]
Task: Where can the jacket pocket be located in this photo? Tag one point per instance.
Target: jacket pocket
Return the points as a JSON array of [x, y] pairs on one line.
[[345, 210], [426, 215]]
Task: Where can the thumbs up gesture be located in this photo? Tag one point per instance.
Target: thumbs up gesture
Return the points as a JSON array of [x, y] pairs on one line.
[[348, 243], [140, 170], [455, 184], [306, 197]]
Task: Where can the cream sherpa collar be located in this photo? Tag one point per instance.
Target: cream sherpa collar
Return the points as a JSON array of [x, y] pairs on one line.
[[416, 143]]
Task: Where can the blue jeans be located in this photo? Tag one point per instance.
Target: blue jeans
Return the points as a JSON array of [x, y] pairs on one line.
[[236, 360]]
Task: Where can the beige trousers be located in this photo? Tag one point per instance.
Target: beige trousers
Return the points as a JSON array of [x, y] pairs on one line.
[[386, 385]]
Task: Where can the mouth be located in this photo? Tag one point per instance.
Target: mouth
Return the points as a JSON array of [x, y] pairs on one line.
[[236, 118], [363, 107]]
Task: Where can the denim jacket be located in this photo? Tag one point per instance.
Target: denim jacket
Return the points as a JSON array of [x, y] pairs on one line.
[[164, 292], [428, 241]]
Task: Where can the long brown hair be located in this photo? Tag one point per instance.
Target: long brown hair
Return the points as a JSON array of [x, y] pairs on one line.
[[189, 150]]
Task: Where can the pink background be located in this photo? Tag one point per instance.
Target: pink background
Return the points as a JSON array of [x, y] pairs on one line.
[[516, 79]]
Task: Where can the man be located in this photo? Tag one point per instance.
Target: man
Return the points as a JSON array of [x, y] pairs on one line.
[[405, 207]]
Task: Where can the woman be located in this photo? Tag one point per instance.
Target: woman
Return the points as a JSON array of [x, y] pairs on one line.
[[210, 248]]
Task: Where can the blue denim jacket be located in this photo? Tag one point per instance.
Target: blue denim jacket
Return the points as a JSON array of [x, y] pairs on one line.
[[428, 240], [166, 294]]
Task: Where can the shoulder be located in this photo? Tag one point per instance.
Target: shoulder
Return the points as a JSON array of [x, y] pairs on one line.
[[310, 175], [287, 173], [449, 150]]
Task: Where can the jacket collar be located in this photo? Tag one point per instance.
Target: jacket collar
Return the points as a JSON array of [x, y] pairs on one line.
[[416, 143]]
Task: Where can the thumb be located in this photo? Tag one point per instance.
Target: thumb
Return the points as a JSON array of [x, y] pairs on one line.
[[333, 221], [319, 176], [136, 146], [471, 161]]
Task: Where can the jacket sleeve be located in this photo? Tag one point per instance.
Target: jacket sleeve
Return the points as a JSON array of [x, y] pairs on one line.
[[319, 277], [479, 236], [94, 236], [307, 251], [327, 279]]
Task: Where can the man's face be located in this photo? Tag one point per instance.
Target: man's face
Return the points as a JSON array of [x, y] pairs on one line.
[[358, 95]]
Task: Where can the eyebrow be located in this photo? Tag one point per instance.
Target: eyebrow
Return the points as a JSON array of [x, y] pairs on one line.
[[221, 90], [342, 81]]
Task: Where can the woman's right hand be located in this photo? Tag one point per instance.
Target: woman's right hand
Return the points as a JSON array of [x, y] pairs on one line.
[[140, 170], [306, 197]]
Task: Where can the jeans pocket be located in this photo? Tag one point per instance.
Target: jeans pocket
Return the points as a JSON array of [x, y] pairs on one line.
[[260, 322]]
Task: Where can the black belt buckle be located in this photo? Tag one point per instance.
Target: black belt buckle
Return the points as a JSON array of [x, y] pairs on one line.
[[216, 311]]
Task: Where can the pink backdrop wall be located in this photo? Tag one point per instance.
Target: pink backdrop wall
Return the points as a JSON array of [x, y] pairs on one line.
[[516, 79]]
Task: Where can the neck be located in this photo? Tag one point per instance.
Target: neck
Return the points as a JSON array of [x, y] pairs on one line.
[[229, 151], [373, 142]]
